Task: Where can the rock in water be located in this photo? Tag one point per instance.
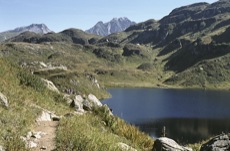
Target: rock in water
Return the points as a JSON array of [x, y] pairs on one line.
[[167, 144], [217, 143], [3, 100]]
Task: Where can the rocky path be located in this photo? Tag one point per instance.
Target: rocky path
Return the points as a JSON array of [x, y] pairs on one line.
[[47, 140]]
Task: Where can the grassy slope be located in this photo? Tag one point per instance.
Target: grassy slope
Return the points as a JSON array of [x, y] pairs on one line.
[[92, 130]]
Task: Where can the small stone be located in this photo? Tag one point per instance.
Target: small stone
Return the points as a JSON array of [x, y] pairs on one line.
[[29, 134], [3, 100], [43, 148], [55, 117], [31, 144], [125, 147], [45, 116], [36, 135]]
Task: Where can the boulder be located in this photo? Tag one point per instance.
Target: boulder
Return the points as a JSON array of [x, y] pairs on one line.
[[45, 116], [167, 144], [92, 98], [50, 85], [125, 147], [217, 143], [48, 116], [87, 105], [77, 103], [3, 100]]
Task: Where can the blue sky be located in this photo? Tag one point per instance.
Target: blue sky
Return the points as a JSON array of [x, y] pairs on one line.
[[82, 14]]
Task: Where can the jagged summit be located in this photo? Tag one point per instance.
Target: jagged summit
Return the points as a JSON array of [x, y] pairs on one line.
[[113, 26], [36, 28]]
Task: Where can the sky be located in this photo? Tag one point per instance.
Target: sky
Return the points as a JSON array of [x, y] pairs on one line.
[[59, 15]]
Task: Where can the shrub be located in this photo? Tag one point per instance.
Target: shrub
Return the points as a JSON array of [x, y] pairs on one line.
[[145, 66], [28, 79]]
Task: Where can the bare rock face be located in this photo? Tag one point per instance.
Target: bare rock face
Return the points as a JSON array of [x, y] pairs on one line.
[[3, 100], [167, 144], [217, 143]]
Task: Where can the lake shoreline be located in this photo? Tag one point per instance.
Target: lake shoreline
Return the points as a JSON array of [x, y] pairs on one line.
[[137, 107]]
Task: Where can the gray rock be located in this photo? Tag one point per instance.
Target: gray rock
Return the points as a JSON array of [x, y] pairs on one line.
[[167, 144], [45, 116], [217, 143], [87, 105], [77, 103], [3, 100], [92, 98], [50, 85], [125, 147], [2, 148]]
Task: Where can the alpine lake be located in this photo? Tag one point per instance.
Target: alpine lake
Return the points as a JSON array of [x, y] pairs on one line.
[[187, 115]]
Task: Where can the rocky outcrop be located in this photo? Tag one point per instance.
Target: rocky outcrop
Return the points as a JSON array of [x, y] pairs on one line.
[[85, 103], [167, 144], [113, 26], [3, 100], [93, 99], [50, 85], [125, 147], [77, 103], [217, 143]]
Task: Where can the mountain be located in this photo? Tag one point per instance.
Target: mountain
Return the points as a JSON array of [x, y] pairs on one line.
[[113, 26], [36, 28], [71, 35], [192, 40]]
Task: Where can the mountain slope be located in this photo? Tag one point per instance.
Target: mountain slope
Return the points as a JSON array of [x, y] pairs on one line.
[[171, 47], [113, 26], [36, 28], [69, 35]]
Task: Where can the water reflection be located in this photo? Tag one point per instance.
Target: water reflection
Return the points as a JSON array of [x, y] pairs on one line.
[[189, 115], [186, 130]]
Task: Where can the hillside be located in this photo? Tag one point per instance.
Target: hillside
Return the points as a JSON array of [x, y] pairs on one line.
[[162, 50], [26, 98], [61, 73]]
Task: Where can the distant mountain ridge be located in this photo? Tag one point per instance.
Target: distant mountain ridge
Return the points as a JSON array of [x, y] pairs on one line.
[[113, 26], [36, 28]]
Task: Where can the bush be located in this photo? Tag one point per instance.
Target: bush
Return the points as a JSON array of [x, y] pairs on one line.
[[28, 79], [145, 66]]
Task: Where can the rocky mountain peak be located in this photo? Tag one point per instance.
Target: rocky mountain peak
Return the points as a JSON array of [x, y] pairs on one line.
[[36, 28], [113, 26]]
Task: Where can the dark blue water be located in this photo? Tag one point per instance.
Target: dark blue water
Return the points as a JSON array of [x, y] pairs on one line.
[[188, 115]]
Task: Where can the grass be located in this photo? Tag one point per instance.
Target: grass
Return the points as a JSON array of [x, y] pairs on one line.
[[95, 130], [18, 119], [99, 131]]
